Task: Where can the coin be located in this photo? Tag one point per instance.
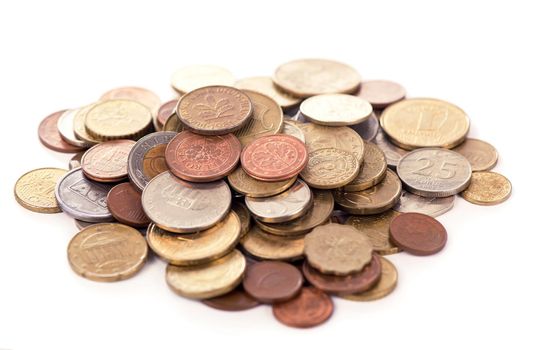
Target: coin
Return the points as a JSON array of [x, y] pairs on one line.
[[417, 234], [292, 130], [335, 109], [173, 124], [393, 153], [309, 77], [134, 93], [289, 205], [241, 182], [199, 158], [373, 200], [35, 190], [376, 228], [50, 136], [412, 203], [243, 214], [368, 128], [107, 252], [179, 206], [272, 281], [274, 158], [74, 162], [79, 126], [487, 188], [192, 77], [214, 110], [381, 93], [337, 249], [265, 85], [423, 122], [311, 307], [196, 248], [481, 155], [107, 161], [82, 198], [65, 127], [329, 168], [434, 172], [386, 284], [165, 111], [125, 205], [207, 280], [372, 171], [271, 247], [236, 300]]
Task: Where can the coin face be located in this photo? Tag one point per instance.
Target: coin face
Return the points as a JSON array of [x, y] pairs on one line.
[[192, 77], [79, 126], [368, 128], [125, 205], [241, 182], [372, 171], [272, 247], [214, 110], [107, 161], [179, 206], [65, 127], [165, 111], [386, 284], [412, 203], [236, 300], [481, 155], [487, 188], [35, 190], [292, 130], [417, 234], [336, 109], [107, 252], [329, 168], [309, 77], [265, 85], [50, 136], [376, 228], [311, 307], [272, 281], [393, 153], [434, 172], [134, 93], [422, 122], [381, 93]]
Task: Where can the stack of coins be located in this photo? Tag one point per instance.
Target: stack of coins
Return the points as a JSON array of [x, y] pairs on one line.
[[280, 190]]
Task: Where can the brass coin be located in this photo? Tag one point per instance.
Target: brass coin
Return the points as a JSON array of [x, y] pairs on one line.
[[487, 188], [79, 126], [481, 155], [134, 93], [376, 227], [74, 162], [241, 182], [243, 214], [372, 171], [271, 247], [208, 280], [336, 109], [173, 124], [35, 190], [289, 128], [189, 78], [196, 248], [107, 252], [265, 85], [107, 161], [329, 168], [386, 284], [424, 122]]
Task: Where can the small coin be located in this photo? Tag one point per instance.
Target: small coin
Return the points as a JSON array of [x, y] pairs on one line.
[[337, 249], [329, 168], [236, 300], [50, 136], [311, 307], [271, 247], [200, 158], [166, 111], [107, 161], [412, 203], [372, 171], [487, 188], [417, 234], [336, 109], [272, 281], [35, 190], [65, 127], [393, 153], [434, 172], [243, 214], [207, 280], [381, 93], [107, 252], [79, 126], [481, 155], [376, 228], [125, 205], [384, 287], [134, 93], [265, 85], [368, 128], [241, 182], [214, 110], [291, 129], [192, 77], [173, 124], [74, 162]]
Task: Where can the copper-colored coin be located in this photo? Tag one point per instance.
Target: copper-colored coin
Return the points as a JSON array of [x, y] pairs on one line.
[[236, 300], [376, 227], [165, 111], [247, 185], [417, 234], [310, 308], [487, 188], [107, 161], [274, 158], [200, 158], [50, 136], [381, 93], [386, 284], [125, 205], [272, 281], [74, 162], [266, 86]]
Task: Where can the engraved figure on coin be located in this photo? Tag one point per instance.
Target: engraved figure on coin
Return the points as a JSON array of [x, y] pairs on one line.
[[95, 193]]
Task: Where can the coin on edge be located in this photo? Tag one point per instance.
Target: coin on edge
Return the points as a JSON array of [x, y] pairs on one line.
[[241, 182], [50, 136], [35, 190], [192, 77], [335, 109], [418, 234], [393, 153], [330, 168], [272, 281], [384, 287], [481, 155], [66, 124], [107, 161], [372, 171], [376, 228], [412, 203], [173, 124], [310, 308], [487, 188], [266, 86], [272, 247], [166, 111], [381, 93]]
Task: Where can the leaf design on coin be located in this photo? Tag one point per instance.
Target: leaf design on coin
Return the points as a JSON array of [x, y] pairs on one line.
[[214, 109], [276, 154]]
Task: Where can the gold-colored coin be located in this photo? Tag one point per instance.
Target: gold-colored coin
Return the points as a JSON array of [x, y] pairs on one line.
[[329, 168], [79, 127], [189, 78], [481, 155], [241, 182], [424, 122], [372, 171], [35, 190], [196, 248], [376, 227], [243, 214], [386, 284], [107, 252], [336, 109], [271, 247], [265, 85], [487, 188], [173, 124], [208, 280], [290, 128]]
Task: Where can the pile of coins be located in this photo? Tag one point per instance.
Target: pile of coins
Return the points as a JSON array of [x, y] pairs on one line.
[[278, 190]]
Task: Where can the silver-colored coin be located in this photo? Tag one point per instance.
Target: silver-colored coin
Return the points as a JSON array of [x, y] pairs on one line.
[[289, 205], [412, 203], [136, 159], [65, 127], [180, 206], [367, 129], [290, 129], [434, 172], [74, 162], [392, 152], [82, 198]]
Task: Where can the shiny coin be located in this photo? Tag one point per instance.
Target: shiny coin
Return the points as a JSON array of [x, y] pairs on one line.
[[166, 111], [243, 214], [74, 162], [35, 190], [79, 126], [173, 124], [134, 93], [241, 182], [272, 281], [376, 228], [417, 234], [189, 78], [50, 136], [265, 85], [372, 171], [271, 247], [292, 130], [107, 161], [487, 188], [412, 203], [125, 205], [481, 155], [236, 300], [329, 168], [381, 93], [310, 308], [384, 287], [367, 129], [66, 128], [393, 153], [335, 109]]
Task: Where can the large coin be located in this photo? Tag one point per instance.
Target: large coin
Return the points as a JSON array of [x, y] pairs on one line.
[[481, 155], [372, 171], [266, 86], [35, 190], [386, 284], [412, 203], [271, 247], [241, 182], [376, 227], [329, 168], [107, 161], [50, 136], [335, 109], [192, 77], [381, 93], [487, 188]]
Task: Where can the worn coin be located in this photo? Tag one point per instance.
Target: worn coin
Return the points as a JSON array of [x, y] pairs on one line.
[[125, 205], [192, 77], [386, 284], [134, 93], [236, 300], [266, 86], [107, 161], [50, 136], [311, 307], [417, 234], [65, 127], [381, 93], [243, 214], [291, 129], [372, 171], [368, 128], [166, 111], [272, 281], [35, 190], [487, 188], [242, 183], [79, 126], [481, 155], [329, 168], [272, 247], [335, 109], [393, 153], [376, 228], [412, 203]]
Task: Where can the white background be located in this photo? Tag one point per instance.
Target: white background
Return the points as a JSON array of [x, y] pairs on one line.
[[480, 292]]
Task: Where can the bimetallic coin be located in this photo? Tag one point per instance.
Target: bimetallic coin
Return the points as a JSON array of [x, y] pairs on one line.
[[79, 125], [310, 308], [434, 172], [243, 214], [412, 203], [376, 228], [192, 77], [173, 124], [381, 93], [66, 128], [367, 129], [329, 168], [166, 111], [372, 171], [393, 153], [50, 136], [241, 182], [384, 287], [271, 247], [481, 155], [107, 161], [417, 234], [35, 190], [134, 93], [336, 109], [272, 281], [265, 85], [125, 205], [487, 188], [291, 129]]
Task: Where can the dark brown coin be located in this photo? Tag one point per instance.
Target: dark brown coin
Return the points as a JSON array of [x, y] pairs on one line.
[[50, 136], [272, 281], [124, 202], [310, 308], [353, 283], [417, 234], [237, 300], [165, 111]]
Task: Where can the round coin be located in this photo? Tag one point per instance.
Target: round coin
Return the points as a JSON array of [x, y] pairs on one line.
[[487, 188], [329, 168], [134, 93], [243, 214], [50, 136], [242, 183], [310, 308], [66, 127], [79, 126], [393, 153], [381, 93], [107, 161], [412, 203], [236, 300], [35, 190], [386, 284], [336, 109], [368, 129], [417, 234], [165, 111], [192, 77], [481, 155], [125, 205], [173, 124], [372, 170], [272, 281], [272, 247], [266, 86], [291, 129], [376, 228]]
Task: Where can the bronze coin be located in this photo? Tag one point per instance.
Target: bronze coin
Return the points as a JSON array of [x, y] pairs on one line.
[[107, 161], [165, 111], [417, 234], [50, 136], [381, 93], [124, 202], [310, 308], [236, 300], [200, 158], [272, 281], [354, 283]]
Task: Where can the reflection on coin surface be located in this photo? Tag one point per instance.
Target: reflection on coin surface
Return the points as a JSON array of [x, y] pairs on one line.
[[125, 205], [35, 190], [417, 234], [372, 171], [50, 136], [272, 247], [134, 93], [65, 127], [376, 228], [272, 281], [367, 129], [393, 153], [481, 155], [241, 182], [381, 93], [192, 77], [336, 109], [412, 203], [107, 161], [386, 284], [487, 188], [310, 308], [291, 129], [329, 168], [265, 85]]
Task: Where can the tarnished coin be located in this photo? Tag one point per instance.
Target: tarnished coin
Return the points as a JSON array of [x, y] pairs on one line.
[[271, 247], [173, 124], [243, 214], [236, 300], [368, 128], [35, 190], [487, 188], [272, 281], [134, 93], [265, 85], [125, 205], [50, 136], [481, 155], [386, 284], [107, 161], [291, 129], [107, 252], [412, 203], [329, 168], [423, 122], [417, 234], [79, 126], [372, 171], [376, 228], [214, 110], [65, 127], [336, 109], [192, 77], [241, 182], [393, 153], [434, 172], [74, 162], [381, 93], [337, 249], [309, 77], [179, 206], [166, 111], [207, 280], [310, 308]]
